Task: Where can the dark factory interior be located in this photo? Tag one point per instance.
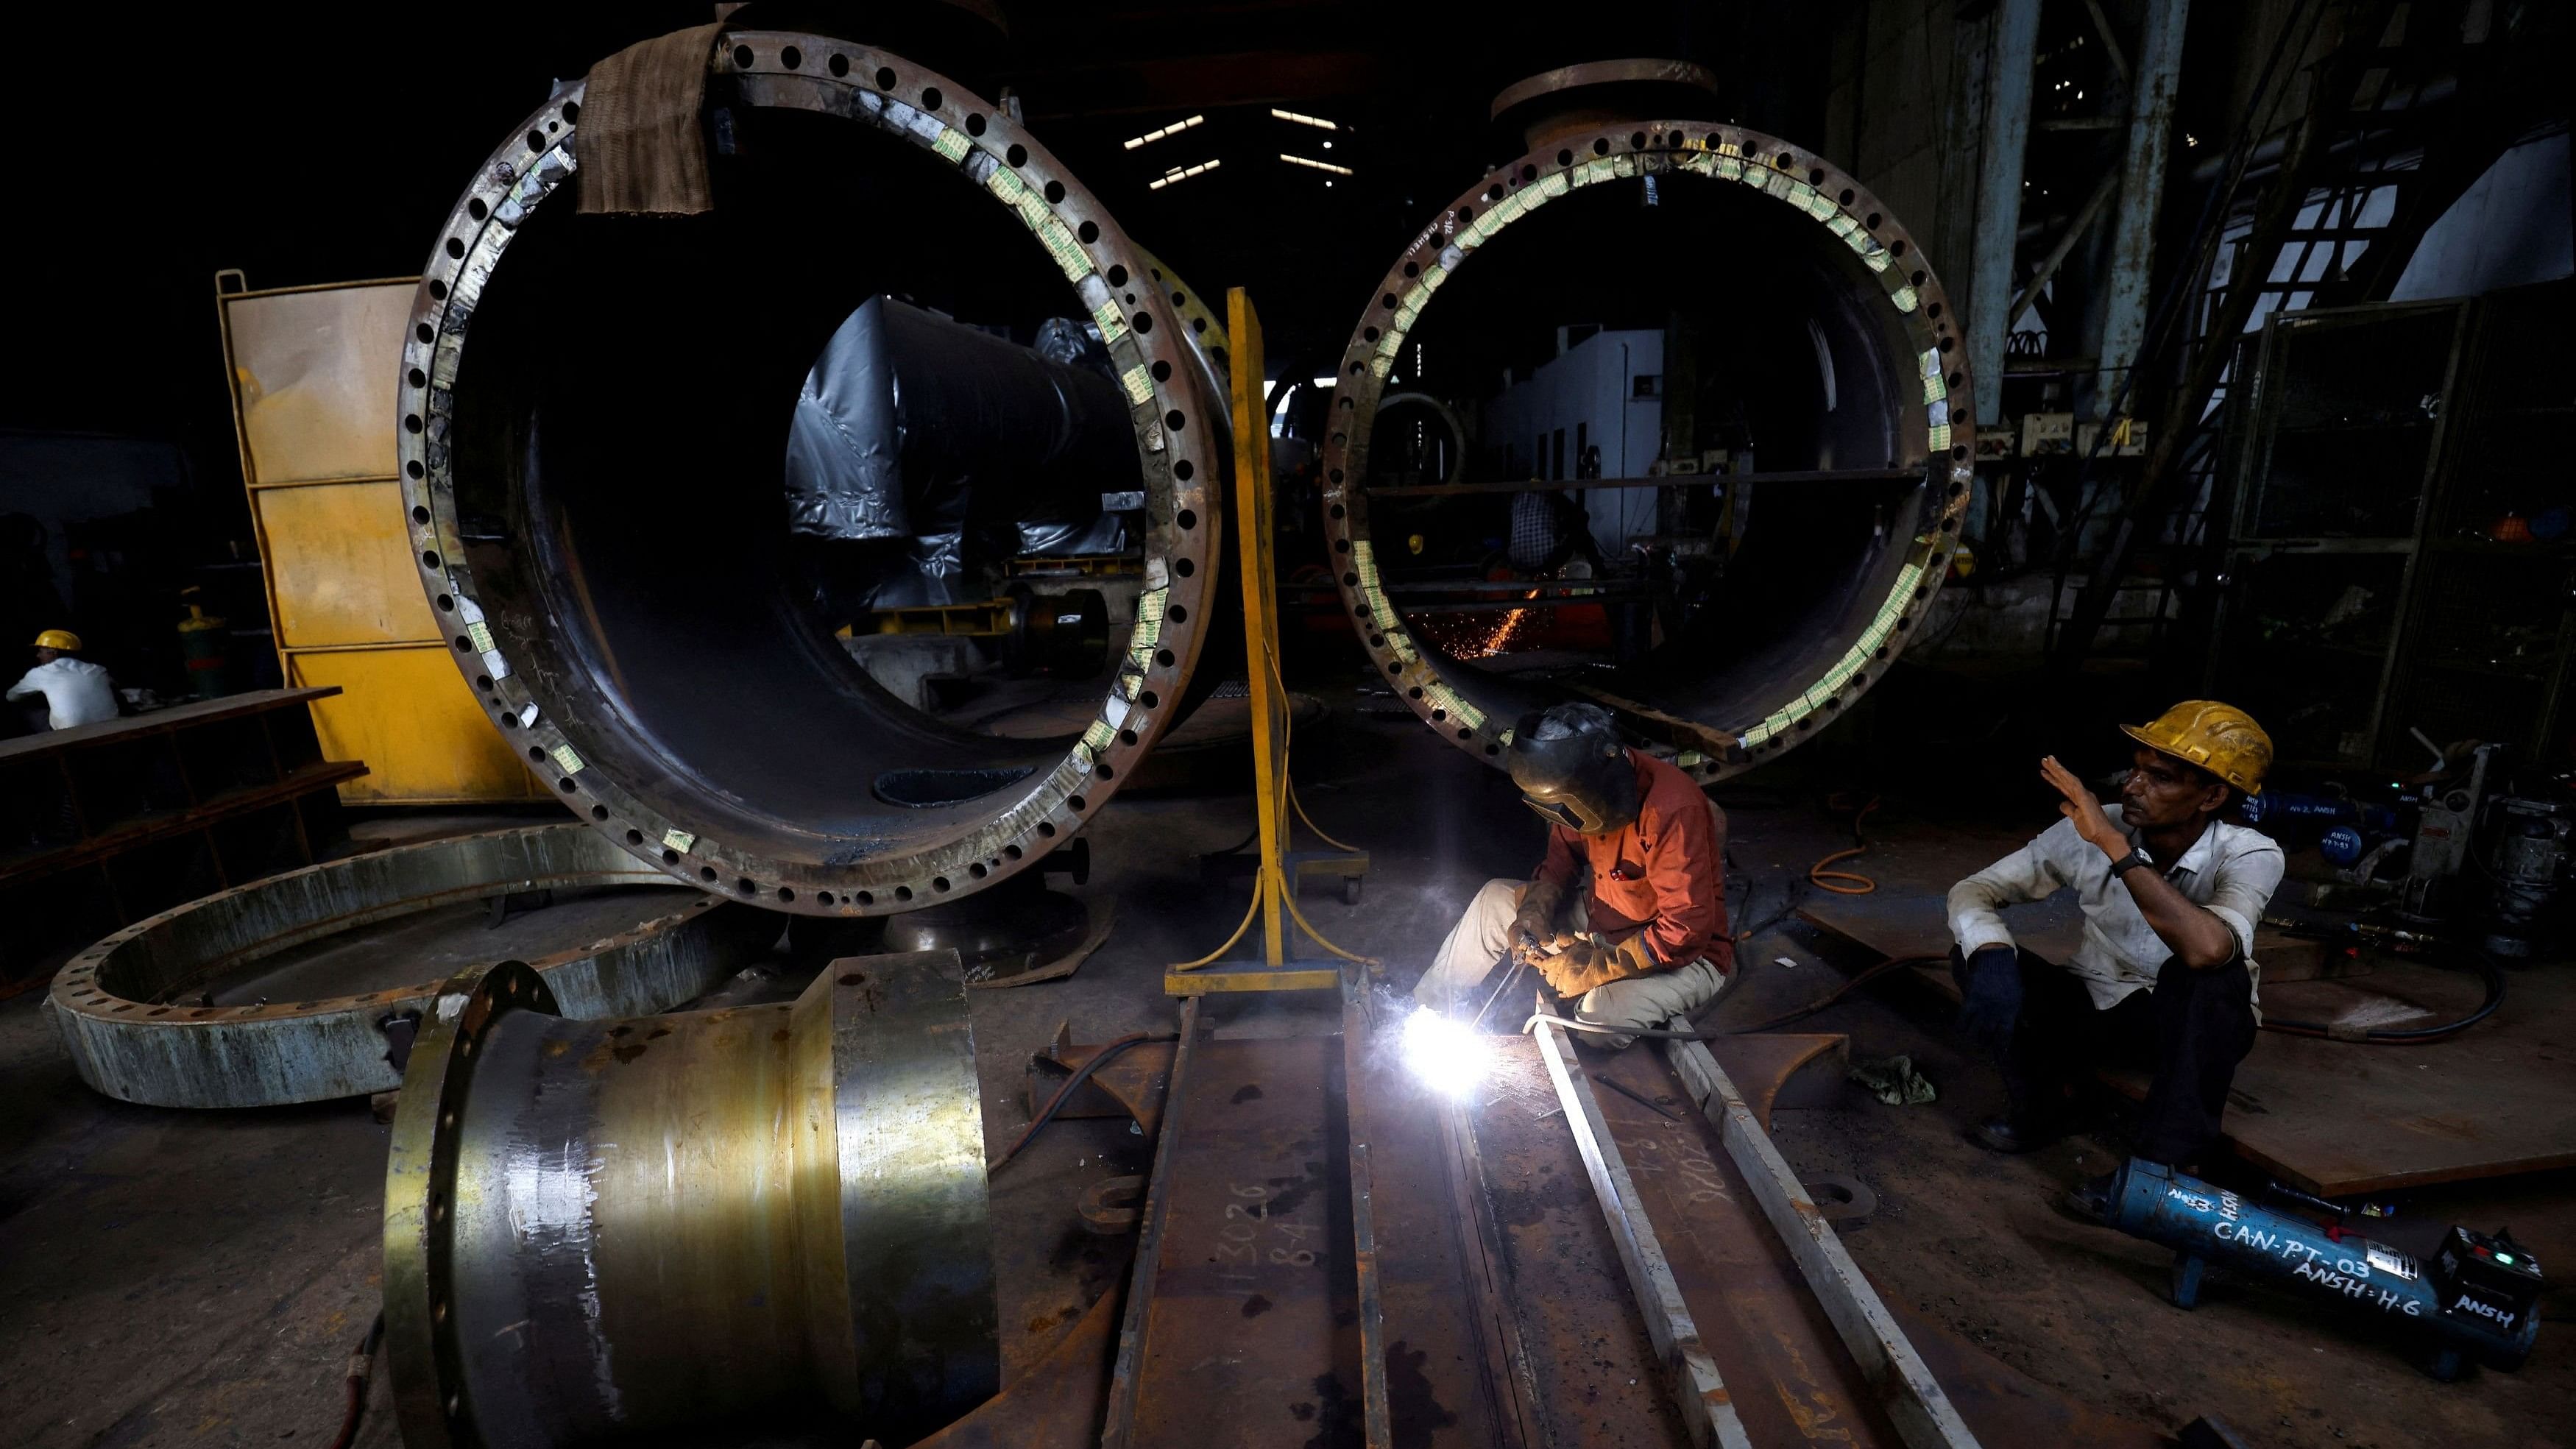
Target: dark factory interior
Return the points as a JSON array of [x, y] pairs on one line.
[[1286, 724]]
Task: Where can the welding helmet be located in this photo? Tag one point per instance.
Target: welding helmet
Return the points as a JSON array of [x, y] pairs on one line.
[[1572, 769]]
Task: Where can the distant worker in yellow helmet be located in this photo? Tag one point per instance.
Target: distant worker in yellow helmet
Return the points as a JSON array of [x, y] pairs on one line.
[[2165, 974], [76, 691]]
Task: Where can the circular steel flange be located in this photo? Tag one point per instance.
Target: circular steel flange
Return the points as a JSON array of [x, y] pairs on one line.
[[641, 1228], [661, 809], [1931, 429], [120, 1006]]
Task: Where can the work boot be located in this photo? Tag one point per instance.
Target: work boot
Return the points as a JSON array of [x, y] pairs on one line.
[[2010, 1135]]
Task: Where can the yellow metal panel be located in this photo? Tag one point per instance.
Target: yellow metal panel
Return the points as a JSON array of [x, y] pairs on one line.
[[410, 716], [340, 566], [315, 373]]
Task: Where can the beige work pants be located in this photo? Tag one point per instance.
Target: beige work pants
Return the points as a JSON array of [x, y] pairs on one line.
[[1459, 976]]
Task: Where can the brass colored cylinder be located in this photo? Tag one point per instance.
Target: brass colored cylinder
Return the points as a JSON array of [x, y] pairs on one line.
[[617, 1229]]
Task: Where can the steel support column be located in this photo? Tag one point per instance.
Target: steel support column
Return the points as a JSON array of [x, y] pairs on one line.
[[1990, 289], [2142, 191]]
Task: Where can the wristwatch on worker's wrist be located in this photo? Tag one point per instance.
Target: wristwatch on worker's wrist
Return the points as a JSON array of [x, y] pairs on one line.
[[2130, 861]]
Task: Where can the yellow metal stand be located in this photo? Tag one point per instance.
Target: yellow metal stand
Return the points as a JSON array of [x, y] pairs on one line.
[[1274, 889]]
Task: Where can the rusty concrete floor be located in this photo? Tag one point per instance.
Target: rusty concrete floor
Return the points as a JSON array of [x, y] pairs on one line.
[[172, 1278]]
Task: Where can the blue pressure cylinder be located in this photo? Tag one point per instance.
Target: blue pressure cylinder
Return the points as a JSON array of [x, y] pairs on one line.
[[2341, 846], [2450, 1309]]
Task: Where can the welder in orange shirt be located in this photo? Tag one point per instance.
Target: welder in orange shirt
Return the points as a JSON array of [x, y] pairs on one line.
[[1627, 912]]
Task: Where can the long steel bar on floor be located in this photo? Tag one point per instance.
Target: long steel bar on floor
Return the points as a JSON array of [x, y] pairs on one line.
[[1240, 1290], [1509, 1384], [1357, 1034], [1914, 1400], [1690, 1374], [1119, 1429]]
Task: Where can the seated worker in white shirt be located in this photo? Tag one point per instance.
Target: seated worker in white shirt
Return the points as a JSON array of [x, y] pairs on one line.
[[76, 691], [2165, 972]]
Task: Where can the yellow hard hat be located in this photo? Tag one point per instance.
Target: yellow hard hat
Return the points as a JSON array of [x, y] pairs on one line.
[[63, 639], [2219, 738]]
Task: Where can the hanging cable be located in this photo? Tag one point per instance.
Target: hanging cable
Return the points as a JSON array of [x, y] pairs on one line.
[[1287, 800], [1284, 803], [1310, 821]]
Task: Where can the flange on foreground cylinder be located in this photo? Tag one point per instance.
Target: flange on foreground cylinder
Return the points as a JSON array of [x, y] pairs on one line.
[[594, 420], [605, 1230]]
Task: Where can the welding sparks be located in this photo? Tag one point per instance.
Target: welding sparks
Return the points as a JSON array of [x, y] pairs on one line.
[[1448, 1056], [1499, 638]]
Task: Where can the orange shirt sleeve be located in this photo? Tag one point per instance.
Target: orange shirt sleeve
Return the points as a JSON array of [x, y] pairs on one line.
[[1683, 866]]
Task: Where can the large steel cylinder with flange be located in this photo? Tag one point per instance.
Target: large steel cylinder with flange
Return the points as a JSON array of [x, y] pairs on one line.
[[629, 1230], [596, 411], [1774, 385]]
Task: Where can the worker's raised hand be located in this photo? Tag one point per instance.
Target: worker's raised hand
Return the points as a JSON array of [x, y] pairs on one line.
[[2080, 806]]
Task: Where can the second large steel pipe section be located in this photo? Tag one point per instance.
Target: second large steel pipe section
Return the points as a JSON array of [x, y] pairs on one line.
[[1780, 327]]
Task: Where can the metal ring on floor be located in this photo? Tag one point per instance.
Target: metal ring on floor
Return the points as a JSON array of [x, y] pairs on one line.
[[117, 1010]]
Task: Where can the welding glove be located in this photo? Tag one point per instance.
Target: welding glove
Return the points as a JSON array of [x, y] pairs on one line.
[[1535, 923], [1530, 951], [1587, 964], [1990, 986]]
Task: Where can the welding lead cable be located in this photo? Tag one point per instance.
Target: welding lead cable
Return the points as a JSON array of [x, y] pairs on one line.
[[2480, 962], [1852, 882], [1602, 1029], [361, 1369], [1081, 1074], [1893, 963]]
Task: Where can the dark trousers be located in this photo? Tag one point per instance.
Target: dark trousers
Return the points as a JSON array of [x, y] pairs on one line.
[[2190, 1030]]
